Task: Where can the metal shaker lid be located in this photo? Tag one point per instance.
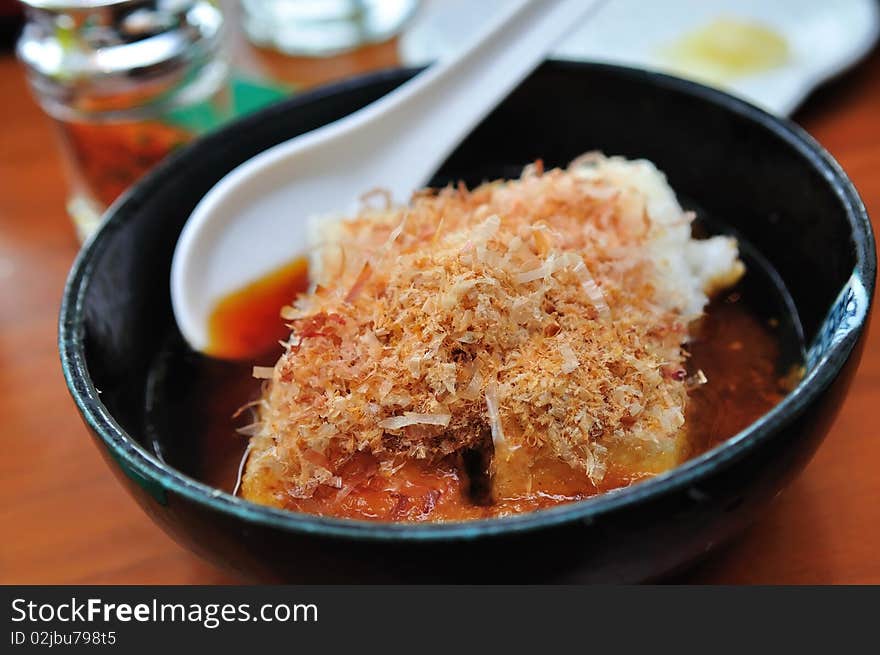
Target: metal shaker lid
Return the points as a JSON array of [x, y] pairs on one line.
[[111, 47]]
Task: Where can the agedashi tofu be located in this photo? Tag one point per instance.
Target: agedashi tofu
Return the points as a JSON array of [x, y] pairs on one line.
[[477, 347]]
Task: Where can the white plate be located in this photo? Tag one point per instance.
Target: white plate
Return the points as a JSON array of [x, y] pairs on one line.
[[824, 37]]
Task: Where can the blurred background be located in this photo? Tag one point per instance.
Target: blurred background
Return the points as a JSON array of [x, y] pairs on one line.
[[95, 93], [126, 82]]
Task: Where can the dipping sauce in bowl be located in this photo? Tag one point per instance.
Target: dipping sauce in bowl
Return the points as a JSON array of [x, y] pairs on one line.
[[734, 370]]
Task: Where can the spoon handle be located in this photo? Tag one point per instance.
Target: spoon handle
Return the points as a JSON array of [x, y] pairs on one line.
[[422, 121]]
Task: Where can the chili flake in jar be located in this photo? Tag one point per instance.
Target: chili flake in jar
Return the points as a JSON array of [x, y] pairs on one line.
[[126, 82]]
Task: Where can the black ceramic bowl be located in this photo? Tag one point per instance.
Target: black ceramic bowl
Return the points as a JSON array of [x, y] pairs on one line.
[[761, 175]]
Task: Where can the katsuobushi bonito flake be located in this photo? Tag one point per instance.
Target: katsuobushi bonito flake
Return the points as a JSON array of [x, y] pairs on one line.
[[542, 320]]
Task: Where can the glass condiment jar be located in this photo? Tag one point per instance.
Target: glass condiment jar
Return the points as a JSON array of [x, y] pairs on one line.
[[126, 82]]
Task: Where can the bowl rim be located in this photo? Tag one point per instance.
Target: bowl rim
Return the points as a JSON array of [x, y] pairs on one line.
[[137, 459]]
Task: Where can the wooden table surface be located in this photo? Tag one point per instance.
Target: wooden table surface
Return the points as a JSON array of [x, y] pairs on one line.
[[65, 519]]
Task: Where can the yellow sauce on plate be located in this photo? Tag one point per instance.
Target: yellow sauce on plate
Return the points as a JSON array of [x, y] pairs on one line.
[[727, 49]]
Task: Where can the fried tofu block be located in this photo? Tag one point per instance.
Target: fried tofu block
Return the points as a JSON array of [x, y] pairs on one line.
[[541, 321]]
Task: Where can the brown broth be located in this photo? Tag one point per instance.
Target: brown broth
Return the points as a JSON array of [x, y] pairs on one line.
[[740, 355], [246, 323], [736, 345]]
